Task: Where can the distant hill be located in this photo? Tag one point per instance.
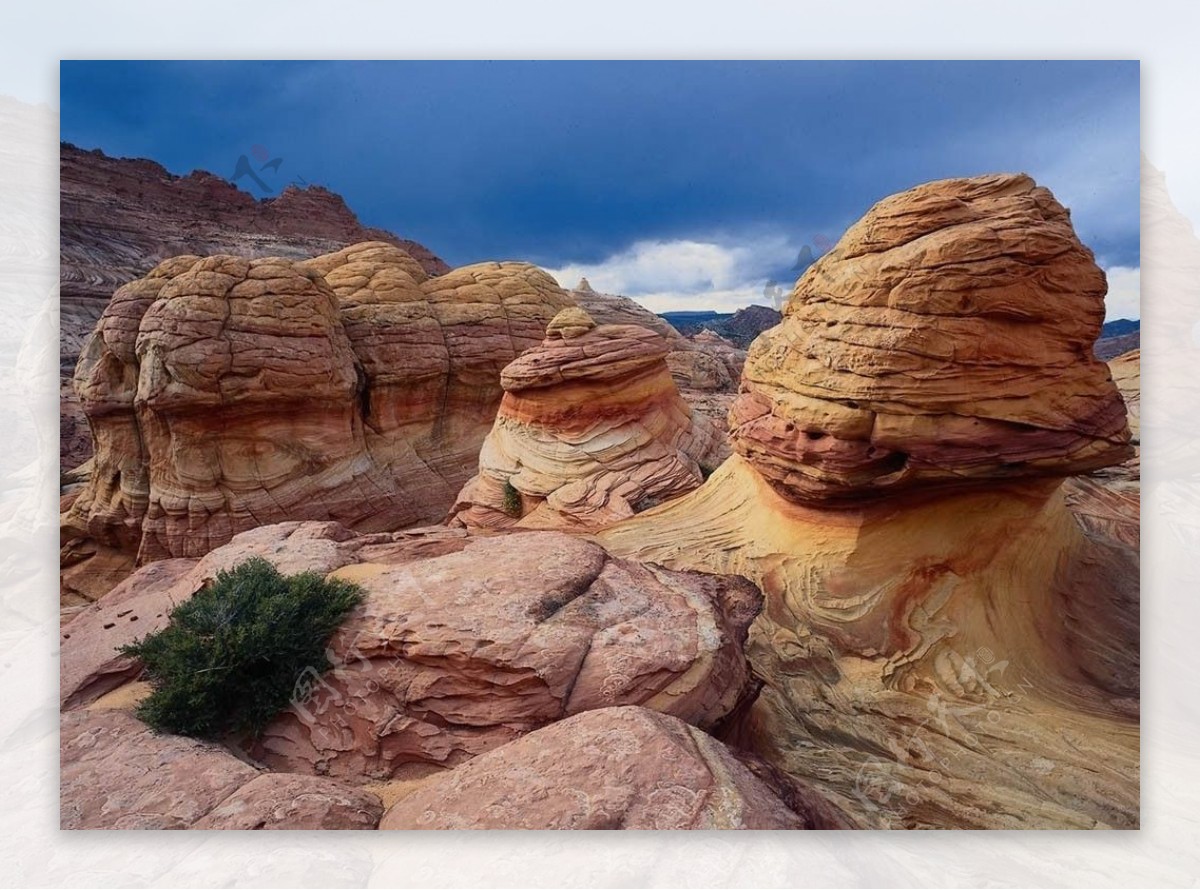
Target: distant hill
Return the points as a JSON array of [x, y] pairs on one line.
[[740, 327], [120, 217], [1120, 326], [1117, 338]]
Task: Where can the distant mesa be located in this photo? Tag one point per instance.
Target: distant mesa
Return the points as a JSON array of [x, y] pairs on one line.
[[740, 327]]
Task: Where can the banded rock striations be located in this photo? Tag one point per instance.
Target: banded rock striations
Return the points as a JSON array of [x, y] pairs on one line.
[[590, 430], [955, 645], [225, 393], [946, 339], [706, 366]]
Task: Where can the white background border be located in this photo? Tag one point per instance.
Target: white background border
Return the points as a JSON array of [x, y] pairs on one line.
[[34, 37]]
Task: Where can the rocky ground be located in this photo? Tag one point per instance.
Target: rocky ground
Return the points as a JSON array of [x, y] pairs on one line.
[[908, 598]]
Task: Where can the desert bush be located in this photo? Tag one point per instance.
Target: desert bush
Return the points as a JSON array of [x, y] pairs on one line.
[[512, 500], [231, 656]]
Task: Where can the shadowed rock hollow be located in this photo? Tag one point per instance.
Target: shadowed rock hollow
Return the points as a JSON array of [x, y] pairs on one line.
[[226, 393], [952, 646]]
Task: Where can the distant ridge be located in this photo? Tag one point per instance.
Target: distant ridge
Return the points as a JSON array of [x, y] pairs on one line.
[[739, 327]]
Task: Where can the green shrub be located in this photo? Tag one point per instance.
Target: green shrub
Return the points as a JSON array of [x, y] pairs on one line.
[[512, 500], [231, 656]]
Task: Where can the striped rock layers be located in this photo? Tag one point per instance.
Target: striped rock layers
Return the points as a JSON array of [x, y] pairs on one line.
[[591, 430]]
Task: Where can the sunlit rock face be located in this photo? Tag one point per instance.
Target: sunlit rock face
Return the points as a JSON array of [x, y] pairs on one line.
[[591, 430], [950, 635], [945, 340], [226, 393]]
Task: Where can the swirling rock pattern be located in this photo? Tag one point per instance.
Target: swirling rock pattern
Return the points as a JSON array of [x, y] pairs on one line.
[[615, 768], [590, 430], [226, 393], [956, 645], [946, 339]]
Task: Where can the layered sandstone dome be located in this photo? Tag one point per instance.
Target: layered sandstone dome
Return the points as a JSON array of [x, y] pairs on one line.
[[591, 429], [946, 339], [956, 644], [225, 393]]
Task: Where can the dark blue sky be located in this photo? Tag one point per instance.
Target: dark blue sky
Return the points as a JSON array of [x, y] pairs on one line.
[[674, 181]]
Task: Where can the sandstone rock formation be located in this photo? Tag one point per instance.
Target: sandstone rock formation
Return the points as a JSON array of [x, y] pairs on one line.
[[276, 801], [226, 393], [952, 646], [946, 339], [706, 366], [461, 645], [615, 768], [619, 310], [118, 774], [1126, 372], [591, 429], [452, 656]]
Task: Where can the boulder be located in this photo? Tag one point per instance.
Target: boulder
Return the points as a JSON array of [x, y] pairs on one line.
[[615, 768], [275, 801], [945, 340], [451, 656], [117, 773]]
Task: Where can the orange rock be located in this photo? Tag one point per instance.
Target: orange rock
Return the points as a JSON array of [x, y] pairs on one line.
[[956, 645], [945, 340]]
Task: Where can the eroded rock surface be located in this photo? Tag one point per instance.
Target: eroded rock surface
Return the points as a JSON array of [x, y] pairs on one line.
[[275, 801], [461, 645], [226, 393], [117, 773], [615, 768], [591, 429], [121, 217]]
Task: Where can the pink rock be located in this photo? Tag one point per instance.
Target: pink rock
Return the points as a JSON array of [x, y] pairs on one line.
[[452, 656], [117, 773], [616, 768], [282, 801]]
